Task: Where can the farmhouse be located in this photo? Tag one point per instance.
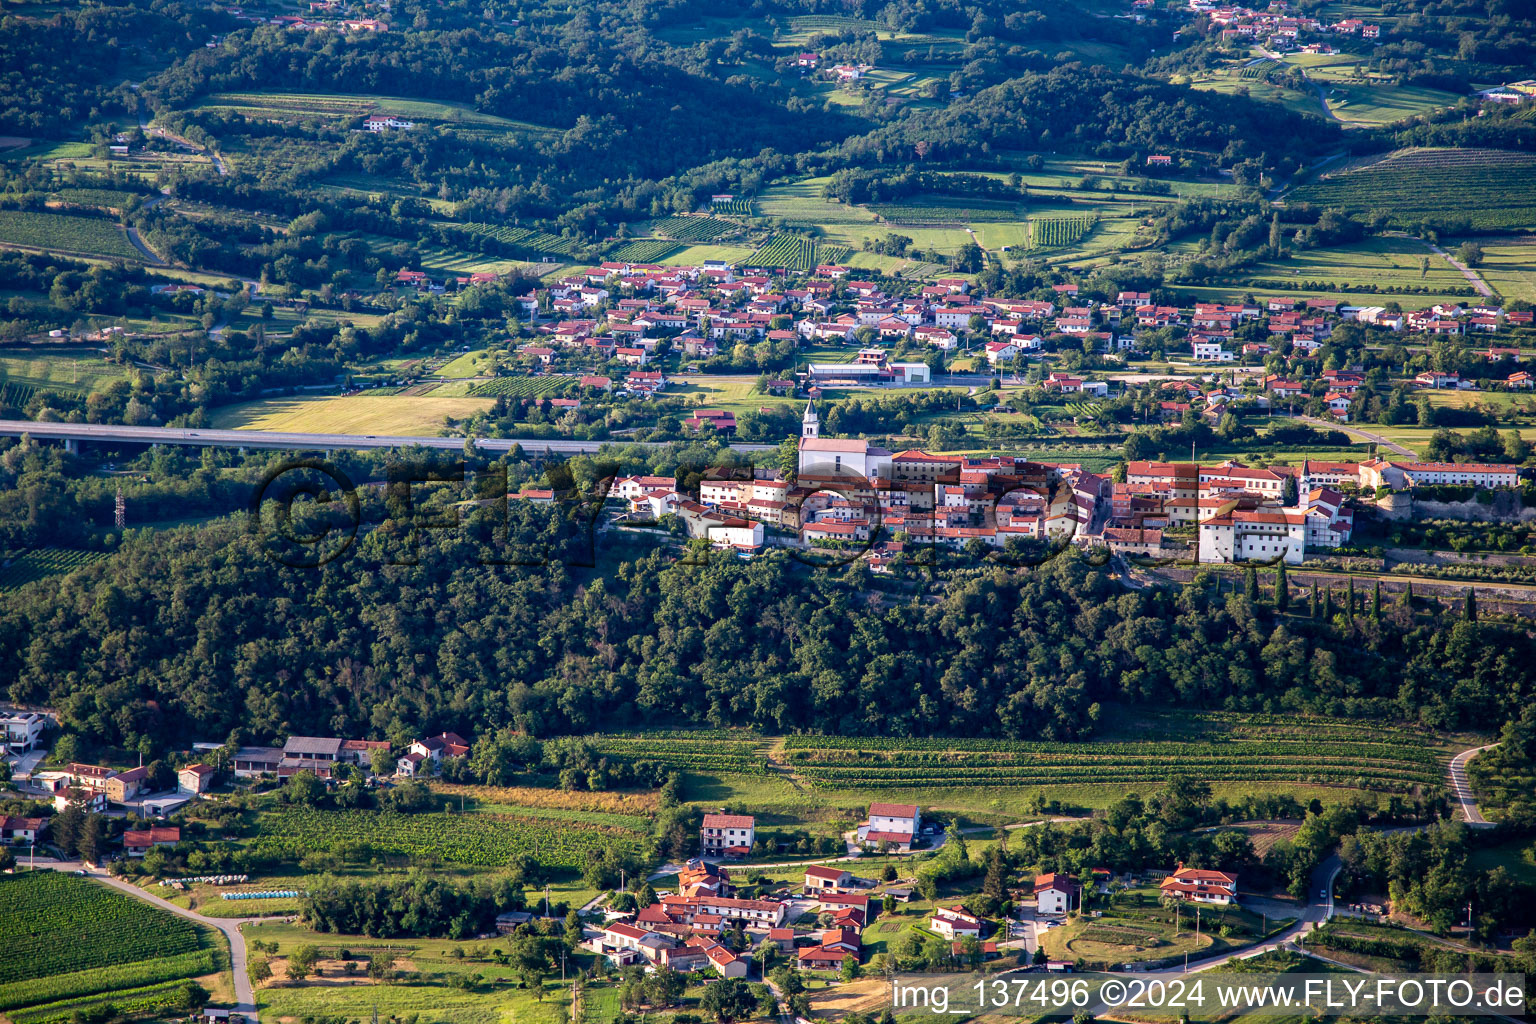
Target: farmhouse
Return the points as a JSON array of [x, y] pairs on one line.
[[897, 824], [729, 835], [137, 842], [955, 923], [1200, 886], [1054, 893], [826, 877], [195, 778]]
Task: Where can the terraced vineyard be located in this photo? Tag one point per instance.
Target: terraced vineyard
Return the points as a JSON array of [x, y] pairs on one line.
[[732, 207], [1263, 749], [791, 252], [18, 568], [65, 232], [481, 839], [705, 752], [114, 941], [643, 250], [832, 254], [1258, 69], [518, 387], [1058, 232], [1487, 188], [692, 229]]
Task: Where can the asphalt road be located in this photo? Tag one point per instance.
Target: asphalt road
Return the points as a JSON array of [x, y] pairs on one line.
[[1463, 790], [302, 442]]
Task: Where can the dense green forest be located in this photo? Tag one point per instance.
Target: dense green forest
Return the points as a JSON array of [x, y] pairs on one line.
[[200, 634]]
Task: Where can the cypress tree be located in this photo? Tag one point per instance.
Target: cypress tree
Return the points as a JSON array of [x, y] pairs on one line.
[[1251, 585], [1282, 588], [1376, 601], [1312, 608], [1328, 603], [1471, 607], [1351, 597]]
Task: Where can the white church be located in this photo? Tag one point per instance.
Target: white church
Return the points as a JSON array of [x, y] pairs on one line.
[[821, 456]]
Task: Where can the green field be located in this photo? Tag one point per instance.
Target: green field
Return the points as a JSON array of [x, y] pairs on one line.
[[483, 840], [1229, 749], [1381, 103], [1374, 271], [355, 414], [63, 937], [1509, 267], [1488, 189], [643, 250], [490, 993], [18, 568], [520, 387], [1134, 928], [336, 106], [65, 232]]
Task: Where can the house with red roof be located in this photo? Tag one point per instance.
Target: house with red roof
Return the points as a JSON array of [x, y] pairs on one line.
[[727, 835], [1197, 885]]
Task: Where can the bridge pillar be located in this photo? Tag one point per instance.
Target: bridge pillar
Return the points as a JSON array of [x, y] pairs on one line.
[[72, 445]]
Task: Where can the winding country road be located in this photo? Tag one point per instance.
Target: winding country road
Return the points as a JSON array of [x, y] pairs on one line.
[[1463, 789]]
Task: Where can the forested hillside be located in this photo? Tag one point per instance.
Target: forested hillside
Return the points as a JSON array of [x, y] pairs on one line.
[[195, 634]]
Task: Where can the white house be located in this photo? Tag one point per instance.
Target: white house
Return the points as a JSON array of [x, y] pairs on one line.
[[726, 833], [955, 923], [1054, 893], [22, 729], [897, 824], [1211, 352]]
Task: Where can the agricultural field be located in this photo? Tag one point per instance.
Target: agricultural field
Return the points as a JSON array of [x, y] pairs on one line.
[[1373, 271], [538, 243], [1377, 103], [355, 414], [64, 937], [520, 387], [1509, 266], [696, 255], [1058, 232], [732, 207], [943, 210], [65, 232], [1487, 189], [692, 229], [426, 989], [331, 107], [113, 198], [793, 252], [1227, 748], [643, 250], [482, 839], [77, 370], [18, 568], [734, 394], [728, 753]]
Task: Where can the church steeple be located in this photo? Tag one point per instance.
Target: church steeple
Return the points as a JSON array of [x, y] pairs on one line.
[[810, 425]]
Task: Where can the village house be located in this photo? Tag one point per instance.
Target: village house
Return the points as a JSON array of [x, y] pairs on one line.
[[195, 778], [1054, 893], [894, 824], [138, 842], [955, 923], [1200, 886], [727, 835], [825, 877]]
